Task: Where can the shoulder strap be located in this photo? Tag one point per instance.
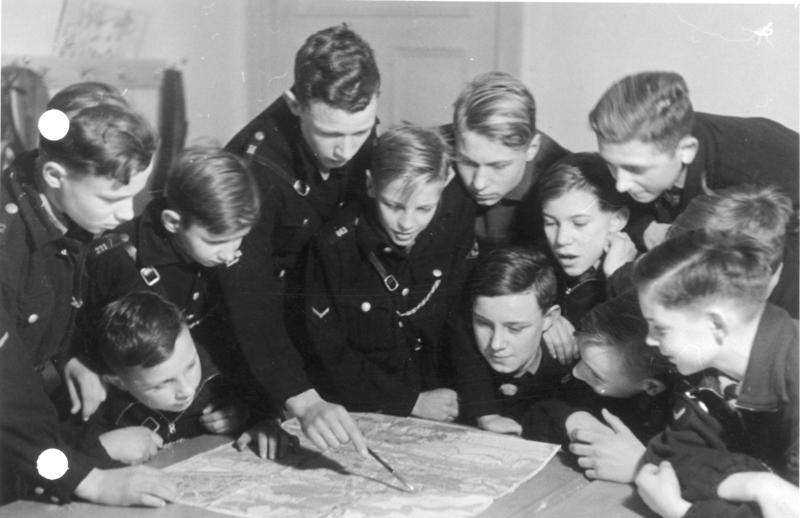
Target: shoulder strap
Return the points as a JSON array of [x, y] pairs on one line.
[[299, 186]]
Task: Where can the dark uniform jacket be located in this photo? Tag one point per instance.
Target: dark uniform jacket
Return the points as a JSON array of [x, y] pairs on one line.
[[234, 311], [514, 220], [38, 296], [715, 433], [120, 409], [295, 200], [736, 151], [376, 314]]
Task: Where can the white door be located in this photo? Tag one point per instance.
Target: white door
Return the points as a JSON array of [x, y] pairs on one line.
[[426, 51]]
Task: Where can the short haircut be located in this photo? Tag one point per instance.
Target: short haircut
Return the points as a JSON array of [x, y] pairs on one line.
[[214, 189], [700, 266], [515, 270], [138, 330], [336, 66], [413, 154], [82, 95], [651, 107], [496, 105], [763, 213], [618, 324], [106, 140], [580, 171]]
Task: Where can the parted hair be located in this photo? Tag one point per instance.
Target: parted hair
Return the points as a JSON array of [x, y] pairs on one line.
[[699, 266], [138, 330], [413, 154], [336, 66], [580, 171], [106, 137], [496, 105], [214, 189], [618, 324], [764, 213], [651, 107], [514, 270]]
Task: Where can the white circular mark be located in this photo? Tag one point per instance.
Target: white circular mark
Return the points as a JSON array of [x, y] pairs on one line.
[[12, 208], [52, 464], [53, 125], [366, 306]]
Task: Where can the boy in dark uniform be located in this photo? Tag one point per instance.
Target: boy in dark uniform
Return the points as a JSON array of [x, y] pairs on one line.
[[81, 181], [162, 385], [704, 296], [664, 154], [309, 149], [380, 286], [513, 302], [202, 246], [499, 154]]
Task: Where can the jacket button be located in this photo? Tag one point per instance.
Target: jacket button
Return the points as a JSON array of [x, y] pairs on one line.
[[195, 295], [54, 499], [404, 292], [259, 136], [437, 273], [387, 249], [305, 222], [32, 318], [39, 490], [365, 306], [63, 252], [12, 208]]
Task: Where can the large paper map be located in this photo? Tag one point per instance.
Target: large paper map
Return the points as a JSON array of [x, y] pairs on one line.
[[456, 471]]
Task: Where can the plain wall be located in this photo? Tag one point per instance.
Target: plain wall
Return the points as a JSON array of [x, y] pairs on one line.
[[570, 54], [573, 52]]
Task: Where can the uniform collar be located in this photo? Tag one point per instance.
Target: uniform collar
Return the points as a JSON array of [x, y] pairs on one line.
[[34, 208], [763, 386], [155, 245]]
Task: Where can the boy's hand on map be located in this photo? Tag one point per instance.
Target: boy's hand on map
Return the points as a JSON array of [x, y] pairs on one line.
[[327, 425], [273, 441], [438, 405], [132, 444], [86, 388], [658, 486], [619, 249], [611, 454], [224, 418], [139, 485], [560, 340], [776, 497], [499, 424]]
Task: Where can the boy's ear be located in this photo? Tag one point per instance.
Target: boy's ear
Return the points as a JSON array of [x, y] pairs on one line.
[[451, 173], [550, 316], [171, 220], [687, 149], [54, 174], [533, 147], [370, 184], [775, 277], [291, 100], [113, 379], [720, 326], [653, 386], [619, 219]]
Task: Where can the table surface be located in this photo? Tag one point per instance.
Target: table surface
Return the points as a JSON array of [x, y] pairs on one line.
[[556, 491]]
